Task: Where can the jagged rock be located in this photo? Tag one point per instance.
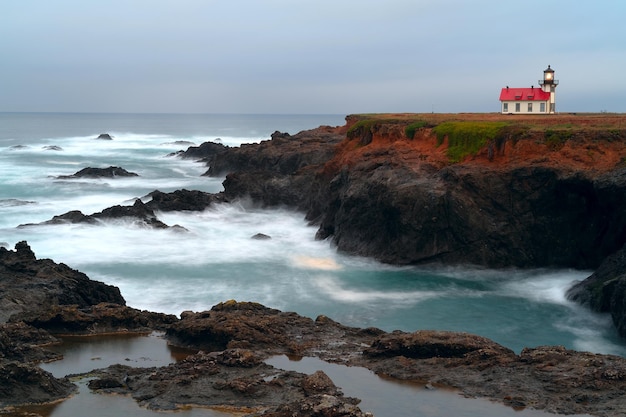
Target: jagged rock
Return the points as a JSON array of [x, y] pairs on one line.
[[435, 344], [29, 284], [247, 325], [110, 172], [23, 343], [94, 319], [183, 200], [26, 383], [205, 152], [261, 236], [202, 379], [605, 290], [139, 213]]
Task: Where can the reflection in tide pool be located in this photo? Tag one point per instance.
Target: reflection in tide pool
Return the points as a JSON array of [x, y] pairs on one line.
[[101, 405], [394, 398], [82, 354]]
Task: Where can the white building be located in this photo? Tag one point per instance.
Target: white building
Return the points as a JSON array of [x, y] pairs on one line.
[[533, 100]]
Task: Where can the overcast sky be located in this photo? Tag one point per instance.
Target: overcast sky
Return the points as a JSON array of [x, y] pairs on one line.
[[301, 56]]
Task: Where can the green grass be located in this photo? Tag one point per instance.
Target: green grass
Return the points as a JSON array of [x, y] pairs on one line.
[[555, 139], [410, 130], [467, 138]]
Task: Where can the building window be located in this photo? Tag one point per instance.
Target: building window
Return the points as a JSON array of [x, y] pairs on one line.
[[542, 107], [530, 107], [517, 107], [551, 107], [505, 107]]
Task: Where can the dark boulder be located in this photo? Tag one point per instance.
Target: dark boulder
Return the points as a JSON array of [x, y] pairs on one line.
[[605, 290], [110, 172], [139, 214], [435, 344], [104, 136], [29, 284], [23, 343], [284, 154], [261, 236], [183, 200], [222, 380], [94, 319], [205, 152], [28, 384]]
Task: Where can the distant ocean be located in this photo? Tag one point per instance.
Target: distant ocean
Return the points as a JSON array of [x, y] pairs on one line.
[[217, 260]]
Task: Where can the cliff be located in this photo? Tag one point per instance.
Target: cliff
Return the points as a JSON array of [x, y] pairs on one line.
[[485, 189]]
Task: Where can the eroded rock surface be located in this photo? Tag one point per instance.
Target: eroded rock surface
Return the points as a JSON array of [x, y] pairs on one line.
[[30, 284], [89, 172]]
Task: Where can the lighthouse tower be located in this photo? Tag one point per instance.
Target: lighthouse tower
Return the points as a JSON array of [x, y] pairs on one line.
[[548, 84]]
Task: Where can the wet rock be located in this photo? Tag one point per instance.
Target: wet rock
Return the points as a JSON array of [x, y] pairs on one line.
[[25, 383], [106, 383], [206, 152], [110, 172], [139, 214], [205, 379], [23, 343], [30, 284], [317, 383], [261, 236], [104, 136], [435, 344], [248, 325], [183, 200], [605, 289], [100, 318]]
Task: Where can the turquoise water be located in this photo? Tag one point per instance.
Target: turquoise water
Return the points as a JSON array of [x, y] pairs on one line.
[[216, 260]]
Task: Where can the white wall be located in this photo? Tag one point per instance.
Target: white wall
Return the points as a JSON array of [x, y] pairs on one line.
[[523, 107]]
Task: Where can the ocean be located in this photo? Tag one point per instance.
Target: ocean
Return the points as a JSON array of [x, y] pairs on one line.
[[165, 271]]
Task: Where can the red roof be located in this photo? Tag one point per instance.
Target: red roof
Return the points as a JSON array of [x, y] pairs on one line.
[[524, 94]]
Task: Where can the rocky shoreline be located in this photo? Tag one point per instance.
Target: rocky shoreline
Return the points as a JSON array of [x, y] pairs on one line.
[[522, 200], [234, 338]]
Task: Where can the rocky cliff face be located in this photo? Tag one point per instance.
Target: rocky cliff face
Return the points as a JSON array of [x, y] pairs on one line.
[[546, 192], [28, 284], [527, 202]]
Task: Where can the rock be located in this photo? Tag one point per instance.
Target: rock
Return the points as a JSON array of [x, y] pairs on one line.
[[100, 318], [23, 343], [25, 383], [435, 344], [110, 172], [202, 380], [30, 284], [261, 236], [139, 214], [104, 136], [247, 325], [143, 214], [605, 290], [183, 200], [52, 148], [318, 383], [205, 152]]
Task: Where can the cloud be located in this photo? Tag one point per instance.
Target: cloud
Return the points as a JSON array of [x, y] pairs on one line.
[[309, 56]]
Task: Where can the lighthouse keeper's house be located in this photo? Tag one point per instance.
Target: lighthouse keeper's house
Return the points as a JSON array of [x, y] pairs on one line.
[[532, 100]]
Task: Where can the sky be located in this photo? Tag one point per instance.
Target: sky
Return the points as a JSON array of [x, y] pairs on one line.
[[307, 57]]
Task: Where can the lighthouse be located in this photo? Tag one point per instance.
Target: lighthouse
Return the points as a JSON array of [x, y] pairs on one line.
[[548, 84], [531, 100]]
